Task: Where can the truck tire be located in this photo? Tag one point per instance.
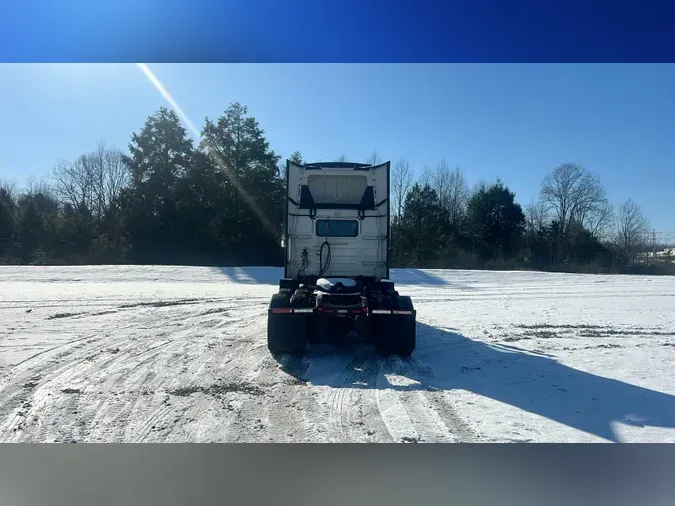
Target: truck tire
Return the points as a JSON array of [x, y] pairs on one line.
[[286, 332], [396, 334]]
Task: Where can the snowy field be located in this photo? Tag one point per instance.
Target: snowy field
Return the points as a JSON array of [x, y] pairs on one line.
[[178, 354]]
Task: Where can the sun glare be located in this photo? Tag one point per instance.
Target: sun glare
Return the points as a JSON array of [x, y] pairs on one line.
[[211, 151]]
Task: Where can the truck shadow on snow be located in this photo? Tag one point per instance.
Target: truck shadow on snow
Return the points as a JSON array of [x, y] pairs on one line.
[[533, 382], [272, 275], [253, 275], [417, 277]]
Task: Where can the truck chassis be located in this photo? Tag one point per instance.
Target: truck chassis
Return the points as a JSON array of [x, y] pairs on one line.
[[303, 313]]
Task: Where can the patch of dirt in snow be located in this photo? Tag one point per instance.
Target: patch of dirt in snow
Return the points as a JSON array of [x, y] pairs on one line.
[[561, 326], [103, 313], [32, 383], [218, 390], [544, 331], [602, 346], [541, 334], [408, 439], [623, 333], [162, 303], [62, 315]]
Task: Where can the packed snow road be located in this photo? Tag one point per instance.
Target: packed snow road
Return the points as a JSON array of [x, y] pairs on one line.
[[126, 354]]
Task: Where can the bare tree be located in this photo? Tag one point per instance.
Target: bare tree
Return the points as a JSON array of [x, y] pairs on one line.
[[92, 183], [401, 182], [459, 194], [575, 196], [600, 220], [342, 158], [452, 190], [35, 186], [632, 229], [9, 188], [373, 159], [440, 181], [110, 177], [74, 186], [31, 184], [536, 216], [426, 177]]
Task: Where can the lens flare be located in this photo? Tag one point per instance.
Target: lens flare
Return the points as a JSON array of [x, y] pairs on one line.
[[210, 150]]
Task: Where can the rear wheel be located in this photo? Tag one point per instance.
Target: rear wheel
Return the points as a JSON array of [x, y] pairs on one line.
[[396, 334], [286, 332]]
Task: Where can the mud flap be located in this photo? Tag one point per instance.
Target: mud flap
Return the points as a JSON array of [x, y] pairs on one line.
[[395, 331], [287, 332]]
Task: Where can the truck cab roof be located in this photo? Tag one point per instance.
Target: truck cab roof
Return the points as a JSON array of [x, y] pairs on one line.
[[336, 165]]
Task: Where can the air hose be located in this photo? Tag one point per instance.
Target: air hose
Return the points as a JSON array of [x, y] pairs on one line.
[[305, 263], [324, 268]]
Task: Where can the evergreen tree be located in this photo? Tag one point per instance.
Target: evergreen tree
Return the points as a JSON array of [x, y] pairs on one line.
[[160, 155], [253, 188], [495, 222]]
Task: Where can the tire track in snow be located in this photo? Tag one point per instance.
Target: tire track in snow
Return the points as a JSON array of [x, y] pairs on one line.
[[174, 415], [353, 411], [133, 385], [113, 404], [27, 381], [292, 412], [203, 416], [75, 371], [367, 403], [414, 410]]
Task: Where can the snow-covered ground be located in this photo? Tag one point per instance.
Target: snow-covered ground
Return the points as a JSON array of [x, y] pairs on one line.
[[179, 354]]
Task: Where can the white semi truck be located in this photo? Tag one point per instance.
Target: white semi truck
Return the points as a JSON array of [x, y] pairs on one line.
[[336, 241]]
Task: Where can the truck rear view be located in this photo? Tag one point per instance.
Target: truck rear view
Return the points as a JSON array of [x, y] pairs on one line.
[[336, 248]]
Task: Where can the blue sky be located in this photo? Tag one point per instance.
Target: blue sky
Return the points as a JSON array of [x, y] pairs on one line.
[[516, 122]]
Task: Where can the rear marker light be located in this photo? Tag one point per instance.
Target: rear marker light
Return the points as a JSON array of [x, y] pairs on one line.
[[381, 311], [281, 310]]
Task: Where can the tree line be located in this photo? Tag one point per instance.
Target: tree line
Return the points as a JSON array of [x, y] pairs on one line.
[[169, 201], [441, 222]]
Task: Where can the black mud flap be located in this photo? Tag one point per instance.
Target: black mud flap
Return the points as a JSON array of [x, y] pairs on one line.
[[287, 332], [395, 331]]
